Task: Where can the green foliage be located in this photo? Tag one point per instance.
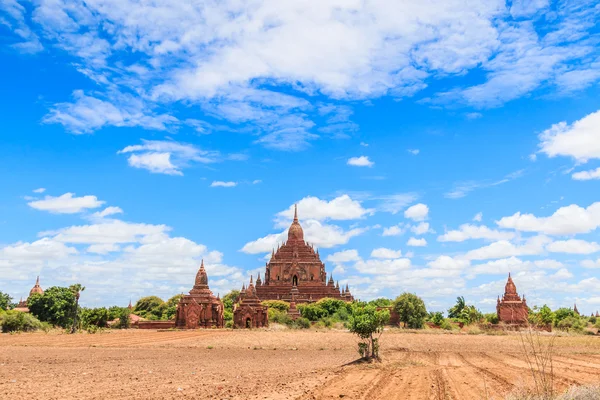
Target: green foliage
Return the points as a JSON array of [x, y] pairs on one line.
[[470, 315], [571, 324], [455, 310], [171, 307], [230, 299], [278, 305], [227, 315], [312, 312], [94, 316], [280, 317], [124, 319], [55, 306], [592, 320], [331, 306], [411, 310], [302, 323], [437, 318], [151, 307], [5, 301], [492, 318], [541, 316], [597, 324], [16, 321], [446, 325], [381, 302], [366, 322], [563, 313], [229, 324], [115, 311]]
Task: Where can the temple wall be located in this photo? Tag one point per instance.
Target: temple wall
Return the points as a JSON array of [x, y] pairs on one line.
[[155, 325]]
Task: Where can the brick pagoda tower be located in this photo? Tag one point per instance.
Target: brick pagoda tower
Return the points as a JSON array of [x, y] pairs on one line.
[[297, 264], [249, 312], [511, 309], [36, 289], [200, 308]]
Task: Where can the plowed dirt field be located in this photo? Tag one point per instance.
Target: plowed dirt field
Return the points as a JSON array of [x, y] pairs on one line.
[[277, 365]]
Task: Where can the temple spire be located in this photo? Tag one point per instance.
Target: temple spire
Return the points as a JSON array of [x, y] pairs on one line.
[[37, 281], [295, 212]]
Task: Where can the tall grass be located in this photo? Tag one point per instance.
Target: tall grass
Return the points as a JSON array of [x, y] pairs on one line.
[[539, 354]]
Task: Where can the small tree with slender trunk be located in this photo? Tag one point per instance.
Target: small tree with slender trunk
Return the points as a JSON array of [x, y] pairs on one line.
[[368, 324], [76, 289]]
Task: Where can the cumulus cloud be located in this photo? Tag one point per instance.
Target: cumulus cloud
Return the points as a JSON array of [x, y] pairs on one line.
[[591, 263], [580, 140], [382, 266], [107, 212], [68, 203], [362, 161], [340, 208], [421, 228], [573, 246], [447, 262], [223, 184], [504, 248], [418, 212], [40, 190], [478, 217], [416, 242], [395, 230], [565, 221], [468, 231], [382, 252], [587, 175], [343, 256], [166, 156]]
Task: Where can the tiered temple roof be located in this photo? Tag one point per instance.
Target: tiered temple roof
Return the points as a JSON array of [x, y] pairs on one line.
[[297, 263], [36, 289], [511, 309]]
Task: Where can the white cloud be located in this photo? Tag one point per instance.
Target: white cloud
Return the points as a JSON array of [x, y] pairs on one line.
[[446, 262], [111, 232], [66, 204], [504, 248], [420, 229], [587, 175], [573, 246], [382, 252], [265, 244], [362, 161], [414, 152], [385, 267], [166, 157], [591, 263], [580, 140], [40, 190], [103, 248], [340, 208], [565, 221], [418, 212], [256, 181], [343, 256], [394, 203], [461, 189], [468, 231], [223, 184], [416, 242], [478, 217], [107, 212], [395, 230]]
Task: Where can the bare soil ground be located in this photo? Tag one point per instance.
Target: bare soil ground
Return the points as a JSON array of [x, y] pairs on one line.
[[222, 364]]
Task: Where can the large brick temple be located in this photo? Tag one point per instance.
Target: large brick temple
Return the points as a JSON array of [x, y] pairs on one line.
[[511, 309], [296, 265]]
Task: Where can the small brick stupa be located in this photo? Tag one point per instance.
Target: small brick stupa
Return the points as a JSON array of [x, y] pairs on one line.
[[200, 308], [249, 312], [511, 309]]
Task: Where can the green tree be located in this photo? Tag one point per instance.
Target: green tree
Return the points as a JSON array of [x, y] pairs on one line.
[[437, 318], [171, 307], [331, 306], [230, 299], [411, 310], [543, 315], [368, 323], [124, 319], [470, 314], [16, 321], [94, 316], [455, 310], [76, 289], [312, 312], [5, 301], [492, 318], [151, 307], [55, 306], [563, 313], [279, 305], [381, 302]]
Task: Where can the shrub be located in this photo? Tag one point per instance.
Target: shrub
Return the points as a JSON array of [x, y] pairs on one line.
[[124, 319], [341, 315], [542, 316], [592, 320], [446, 325], [368, 324], [151, 307], [229, 324], [437, 318], [571, 324], [278, 305], [563, 313], [331, 306], [470, 314], [302, 323], [94, 316], [230, 299], [312, 312], [492, 318], [16, 321], [279, 317], [411, 310], [5, 301], [381, 302]]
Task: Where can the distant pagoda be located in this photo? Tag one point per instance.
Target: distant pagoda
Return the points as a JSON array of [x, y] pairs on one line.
[[511, 309]]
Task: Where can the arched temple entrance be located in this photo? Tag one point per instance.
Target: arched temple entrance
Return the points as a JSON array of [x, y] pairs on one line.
[[295, 280], [248, 323]]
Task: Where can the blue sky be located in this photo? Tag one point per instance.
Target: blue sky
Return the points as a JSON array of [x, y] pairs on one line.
[[431, 148]]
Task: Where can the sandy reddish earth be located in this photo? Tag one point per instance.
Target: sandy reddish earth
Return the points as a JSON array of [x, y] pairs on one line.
[[277, 365]]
